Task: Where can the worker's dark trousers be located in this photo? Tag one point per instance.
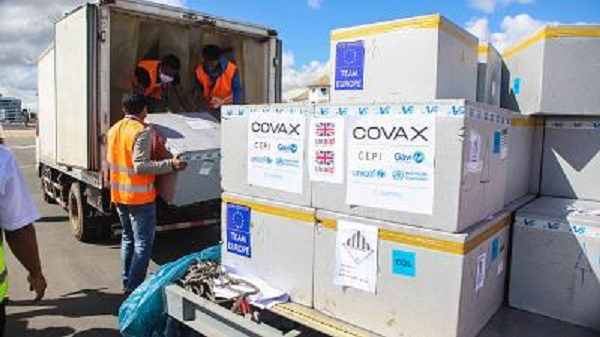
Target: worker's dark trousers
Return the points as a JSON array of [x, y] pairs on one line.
[[2, 318]]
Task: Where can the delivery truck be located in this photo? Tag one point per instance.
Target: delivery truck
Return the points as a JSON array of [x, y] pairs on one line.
[[90, 65]]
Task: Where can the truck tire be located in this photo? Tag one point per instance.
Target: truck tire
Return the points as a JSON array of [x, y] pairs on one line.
[[81, 229]]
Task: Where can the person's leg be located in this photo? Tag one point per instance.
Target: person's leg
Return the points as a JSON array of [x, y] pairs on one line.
[[126, 242], [2, 317], [143, 221]]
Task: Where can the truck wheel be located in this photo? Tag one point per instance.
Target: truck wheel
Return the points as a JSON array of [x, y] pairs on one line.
[[80, 227]]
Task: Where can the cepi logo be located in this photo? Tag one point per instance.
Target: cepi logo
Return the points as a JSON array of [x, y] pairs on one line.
[[376, 173], [417, 157], [291, 148]]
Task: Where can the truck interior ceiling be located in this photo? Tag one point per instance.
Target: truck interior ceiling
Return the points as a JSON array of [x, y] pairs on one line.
[[136, 37]]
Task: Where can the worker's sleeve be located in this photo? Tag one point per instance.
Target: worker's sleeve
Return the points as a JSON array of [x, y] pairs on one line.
[[236, 84], [142, 156], [17, 208]]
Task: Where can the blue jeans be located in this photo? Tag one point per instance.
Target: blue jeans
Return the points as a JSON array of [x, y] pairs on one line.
[[139, 223]]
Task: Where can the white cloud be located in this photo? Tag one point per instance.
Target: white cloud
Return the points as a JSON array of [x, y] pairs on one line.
[[297, 78], [489, 6], [176, 3], [314, 4], [513, 29]]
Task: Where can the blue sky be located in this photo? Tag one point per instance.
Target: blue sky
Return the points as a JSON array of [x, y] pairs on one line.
[[305, 29]]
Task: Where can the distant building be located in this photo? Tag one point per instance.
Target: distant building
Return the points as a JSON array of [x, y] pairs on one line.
[[10, 109], [318, 91]]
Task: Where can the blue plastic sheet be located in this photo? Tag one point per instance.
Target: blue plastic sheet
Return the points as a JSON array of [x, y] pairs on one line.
[[143, 313]]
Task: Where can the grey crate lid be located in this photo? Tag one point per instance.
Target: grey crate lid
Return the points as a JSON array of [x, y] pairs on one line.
[[188, 132], [563, 209]]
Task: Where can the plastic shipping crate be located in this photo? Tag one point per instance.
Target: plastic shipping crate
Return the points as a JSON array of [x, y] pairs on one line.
[[418, 58], [270, 240], [428, 283], [196, 137], [449, 182], [555, 71], [555, 269]]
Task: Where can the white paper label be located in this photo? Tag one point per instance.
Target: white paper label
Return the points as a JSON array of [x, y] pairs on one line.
[[205, 167], [500, 267], [326, 149], [391, 162], [504, 145], [199, 124], [356, 256], [480, 276], [474, 163], [276, 151]]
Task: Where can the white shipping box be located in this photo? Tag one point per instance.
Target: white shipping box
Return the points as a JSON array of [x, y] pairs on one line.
[[555, 71], [417, 58], [263, 152], [555, 269], [270, 240], [449, 182], [571, 158], [427, 282], [196, 138], [489, 75]]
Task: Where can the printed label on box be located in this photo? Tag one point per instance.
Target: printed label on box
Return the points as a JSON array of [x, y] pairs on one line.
[[474, 163], [326, 149], [276, 151], [391, 162], [238, 230], [480, 275], [349, 65], [356, 256], [495, 249], [403, 263], [205, 167]]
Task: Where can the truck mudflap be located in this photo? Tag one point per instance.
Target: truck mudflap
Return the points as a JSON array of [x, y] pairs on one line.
[[287, 319]]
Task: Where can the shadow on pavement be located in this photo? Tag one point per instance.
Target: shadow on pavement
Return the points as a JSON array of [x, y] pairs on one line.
[[53, 219], [172, 245], [83, 303]]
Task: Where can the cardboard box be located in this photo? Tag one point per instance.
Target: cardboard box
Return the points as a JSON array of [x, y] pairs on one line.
[[449, 183], [571, 158], [489, 75], [270, 240], [555, 71], [428, 283], [196, 137], [264, 173], [418, 58], [555, 269]]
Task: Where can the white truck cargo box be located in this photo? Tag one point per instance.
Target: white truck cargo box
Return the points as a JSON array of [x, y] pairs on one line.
[[196, 137], [418, 58], [270, 240], [489, 75], [440, 164], [555, 71], [555, 269], [427, 282], [571, 158], [47, 106], [263, 152]]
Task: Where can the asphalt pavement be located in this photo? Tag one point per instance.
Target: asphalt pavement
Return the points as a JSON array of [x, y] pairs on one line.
[[84, 287]]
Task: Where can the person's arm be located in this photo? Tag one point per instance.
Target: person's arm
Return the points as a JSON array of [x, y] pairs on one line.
[[183, 99], [236, 84], [23, 244], [142, 157]]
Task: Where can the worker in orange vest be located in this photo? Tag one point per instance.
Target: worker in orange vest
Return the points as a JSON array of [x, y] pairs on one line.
[[132, 175], [157, 78], [218, 80]]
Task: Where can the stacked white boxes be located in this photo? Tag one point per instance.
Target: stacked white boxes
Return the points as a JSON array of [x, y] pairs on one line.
[[450, 182], [268, 222], [419, 58], [556, 260], [489, 75], [555, 71], [196, 138]]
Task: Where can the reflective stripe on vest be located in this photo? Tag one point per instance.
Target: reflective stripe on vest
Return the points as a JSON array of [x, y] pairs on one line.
[[3, 273], [155, 90], [127, 187], [221, 92]]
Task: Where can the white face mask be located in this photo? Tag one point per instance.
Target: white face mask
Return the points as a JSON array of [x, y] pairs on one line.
[[166, 78]]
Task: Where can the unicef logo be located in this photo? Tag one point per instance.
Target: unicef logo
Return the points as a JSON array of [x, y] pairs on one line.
[[292, 148], [418, 157], [381, 174]]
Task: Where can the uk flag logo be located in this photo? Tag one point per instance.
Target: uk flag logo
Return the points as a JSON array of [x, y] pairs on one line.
[[325, 129]]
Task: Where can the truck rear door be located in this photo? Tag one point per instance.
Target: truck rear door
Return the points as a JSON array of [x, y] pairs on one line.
[[75, 48]]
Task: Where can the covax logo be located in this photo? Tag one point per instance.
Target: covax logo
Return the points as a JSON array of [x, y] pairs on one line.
[[276, 128], [391, 133]]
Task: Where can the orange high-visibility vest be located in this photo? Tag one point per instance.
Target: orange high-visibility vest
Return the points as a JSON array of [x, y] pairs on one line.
[[222, 92], [127, 187], [155, 90]]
